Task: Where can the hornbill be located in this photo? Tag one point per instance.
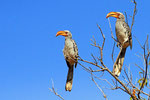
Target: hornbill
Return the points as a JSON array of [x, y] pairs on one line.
[[124, 37], [70, 52]]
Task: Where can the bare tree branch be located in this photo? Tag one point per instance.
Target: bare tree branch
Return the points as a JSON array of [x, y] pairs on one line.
[[134, 13], [126, 18], [140, 68], [146, 66], [103, 66], [112, 32], [126, 85], [102, 36], [104, 95], [53, 91], [112, 54], [138, 42]]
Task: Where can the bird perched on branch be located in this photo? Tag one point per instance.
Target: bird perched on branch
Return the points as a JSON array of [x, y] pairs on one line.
[[70, 52], [124, 37]]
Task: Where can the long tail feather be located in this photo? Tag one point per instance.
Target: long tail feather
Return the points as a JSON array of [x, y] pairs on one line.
[[119, 62], [69, 79]]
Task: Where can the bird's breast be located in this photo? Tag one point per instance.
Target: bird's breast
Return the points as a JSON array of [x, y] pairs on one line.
[[68, 50], [121, 33]]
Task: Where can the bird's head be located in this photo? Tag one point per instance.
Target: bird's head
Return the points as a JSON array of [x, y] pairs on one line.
[[117, 15], [65, 33]]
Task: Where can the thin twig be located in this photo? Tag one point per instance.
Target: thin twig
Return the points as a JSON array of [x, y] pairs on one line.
[[146, 56], [112, 55], [138, 42], [126, 18], [53, 91], [95, 61], [127, 77], [102, 35], [104, 95], [140, 68], [112, 31], [134, 13]]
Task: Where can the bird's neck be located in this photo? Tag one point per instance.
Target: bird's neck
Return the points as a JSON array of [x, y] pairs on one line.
[[66, 38], [120, 19]]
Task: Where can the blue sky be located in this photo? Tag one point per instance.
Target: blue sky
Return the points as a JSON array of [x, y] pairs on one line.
[[31, 55]]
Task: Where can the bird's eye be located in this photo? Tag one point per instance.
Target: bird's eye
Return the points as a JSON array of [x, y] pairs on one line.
[[66, 32]]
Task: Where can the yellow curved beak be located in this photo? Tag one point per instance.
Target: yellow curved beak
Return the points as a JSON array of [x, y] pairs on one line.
[[63, 33], [113, 14]]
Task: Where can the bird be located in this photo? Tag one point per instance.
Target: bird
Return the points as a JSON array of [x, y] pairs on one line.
[[70, 53], [124, 38]]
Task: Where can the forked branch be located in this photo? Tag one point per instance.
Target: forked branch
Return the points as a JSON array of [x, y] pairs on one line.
[[54, 91]]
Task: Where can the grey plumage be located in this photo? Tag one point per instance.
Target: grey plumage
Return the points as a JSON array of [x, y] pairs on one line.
[[123, 32], [124, 37], [71, 56], [70, 52]]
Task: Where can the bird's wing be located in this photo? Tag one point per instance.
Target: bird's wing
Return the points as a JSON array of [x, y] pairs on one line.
[[128, 32], [75, 48]]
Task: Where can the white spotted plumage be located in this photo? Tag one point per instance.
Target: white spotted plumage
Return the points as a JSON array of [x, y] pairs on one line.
[[70, 52]]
